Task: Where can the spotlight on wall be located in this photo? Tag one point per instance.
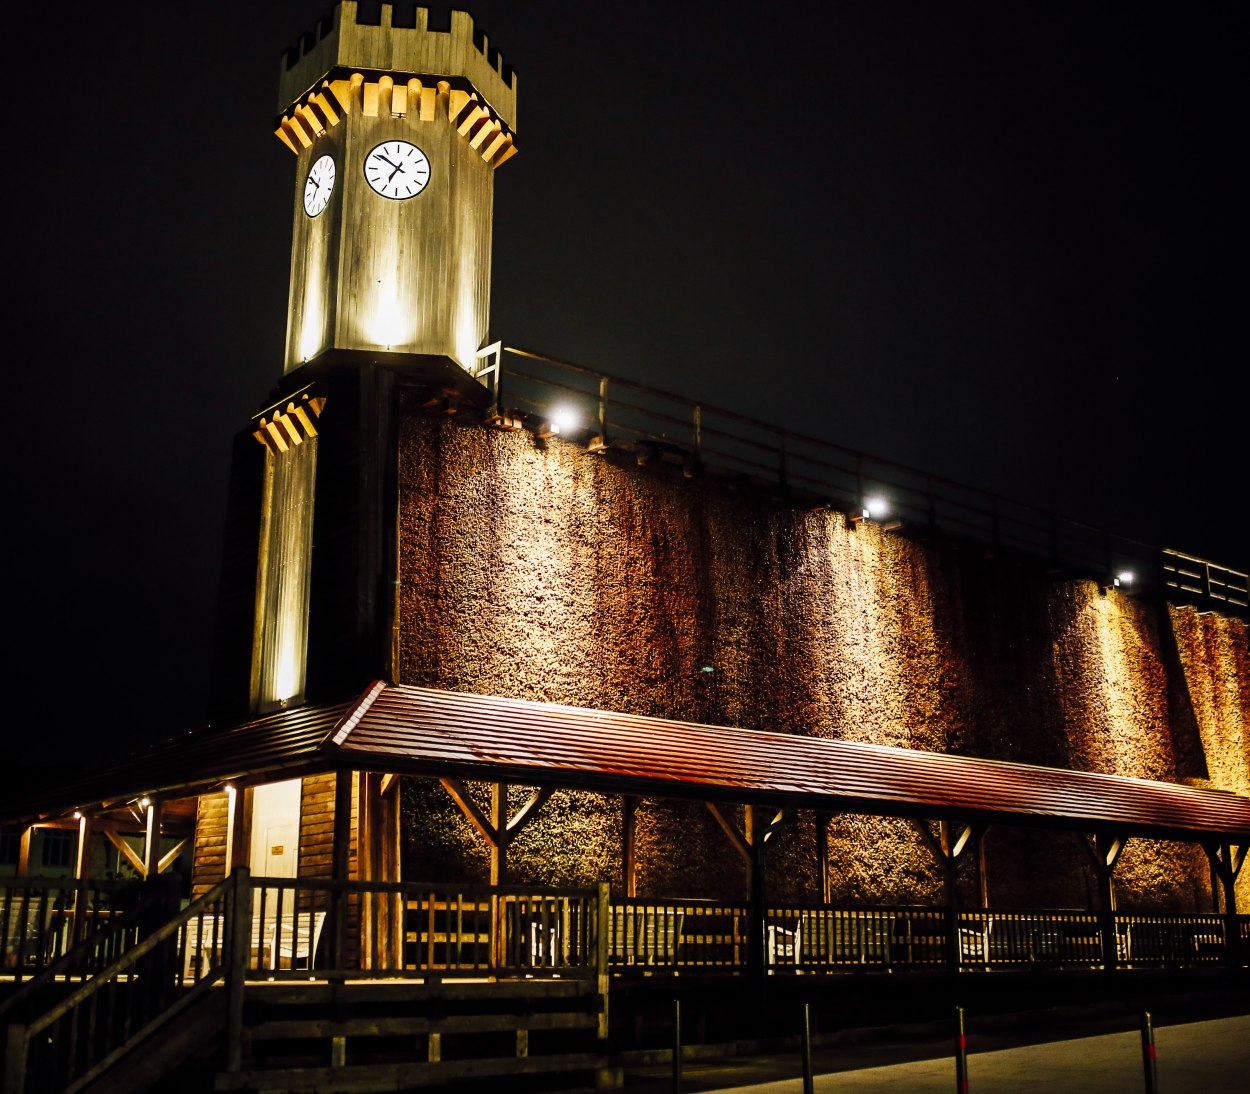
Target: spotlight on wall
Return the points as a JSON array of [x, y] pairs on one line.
[[562, 419], [144, 802], [1123, 580], [874, 508]]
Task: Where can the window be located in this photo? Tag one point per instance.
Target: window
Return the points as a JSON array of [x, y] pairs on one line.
[[58, 848], [10, 846]]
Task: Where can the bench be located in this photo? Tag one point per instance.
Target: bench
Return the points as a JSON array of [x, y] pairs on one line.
[[844, 938], [282, 943], [644, 936]]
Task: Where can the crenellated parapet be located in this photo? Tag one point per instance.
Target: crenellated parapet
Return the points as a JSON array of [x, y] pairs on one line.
[[341, 44]]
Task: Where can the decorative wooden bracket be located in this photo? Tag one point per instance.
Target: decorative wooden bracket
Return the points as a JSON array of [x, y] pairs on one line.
[[479, 820], [128, 852], [950, 842], [736, 838], [745, 842], [1104, 849], [170, 856]]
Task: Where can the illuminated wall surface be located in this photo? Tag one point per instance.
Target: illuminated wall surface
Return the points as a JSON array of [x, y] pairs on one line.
[[555, 575]]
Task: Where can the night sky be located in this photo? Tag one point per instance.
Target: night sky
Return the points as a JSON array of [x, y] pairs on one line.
[[1001, 243]]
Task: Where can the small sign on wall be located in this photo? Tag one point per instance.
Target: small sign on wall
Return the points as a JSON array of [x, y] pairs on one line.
[[277, 849]]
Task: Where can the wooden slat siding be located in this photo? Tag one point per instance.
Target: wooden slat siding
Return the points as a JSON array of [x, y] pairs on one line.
[[208, 865], [476, 736], [316, 826]]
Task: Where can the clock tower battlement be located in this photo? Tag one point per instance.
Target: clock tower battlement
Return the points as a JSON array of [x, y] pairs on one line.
[[397, 132], [342, 42]]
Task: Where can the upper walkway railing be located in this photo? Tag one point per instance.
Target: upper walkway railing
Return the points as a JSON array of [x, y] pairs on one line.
[[531, 389]]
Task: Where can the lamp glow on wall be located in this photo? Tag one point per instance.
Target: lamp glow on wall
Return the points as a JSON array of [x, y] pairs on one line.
[[876, 508], [561, 420]]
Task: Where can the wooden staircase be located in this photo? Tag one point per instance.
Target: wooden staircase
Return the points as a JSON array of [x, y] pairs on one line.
[[366, 1036]]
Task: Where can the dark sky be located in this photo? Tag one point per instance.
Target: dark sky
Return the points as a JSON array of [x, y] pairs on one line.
[[1002, 243]]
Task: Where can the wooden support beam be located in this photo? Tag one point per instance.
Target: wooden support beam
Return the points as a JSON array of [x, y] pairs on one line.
[[23, 852], [460, 795], [128, 852], [739, 842], [528, 812], [170, 856], [390, 782]]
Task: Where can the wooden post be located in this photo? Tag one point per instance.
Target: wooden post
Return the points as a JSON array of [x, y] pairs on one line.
[[23, 852], [82, 873], [152, 841], [1226, 862], [757, 943], [366, 863], [236, 971], [499, 821], [946, 848], [238, 827], [983, 893], [1104, 850], [17, 1043], [822, 856], [340, 867], [602, 931], [391, 923], [629, 812], [498, 871], [950, 895]]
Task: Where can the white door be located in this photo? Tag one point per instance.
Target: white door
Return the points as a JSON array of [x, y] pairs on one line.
[[275, 829]]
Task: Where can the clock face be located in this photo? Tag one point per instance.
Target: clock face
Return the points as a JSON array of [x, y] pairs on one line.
[[320, 186], [397, 169]]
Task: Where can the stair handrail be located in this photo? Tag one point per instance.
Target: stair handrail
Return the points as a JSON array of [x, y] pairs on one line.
[[20, 1035], [78, 959]]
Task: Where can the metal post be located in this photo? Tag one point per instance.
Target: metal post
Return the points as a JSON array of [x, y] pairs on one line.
[[1148, 1053], [676, 1046], [961, 1053], [809, 1086]]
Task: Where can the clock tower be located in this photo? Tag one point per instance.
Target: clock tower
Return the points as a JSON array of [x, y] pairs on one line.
[[395, 132]]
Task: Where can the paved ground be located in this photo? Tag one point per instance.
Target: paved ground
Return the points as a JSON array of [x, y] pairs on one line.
[[1203, 1057]]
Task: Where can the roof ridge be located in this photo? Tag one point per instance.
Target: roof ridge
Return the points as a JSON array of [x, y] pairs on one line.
[[340, 732]]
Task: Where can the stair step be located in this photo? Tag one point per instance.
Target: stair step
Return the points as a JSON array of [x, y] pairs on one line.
[[398, 1076], [302, 1028]]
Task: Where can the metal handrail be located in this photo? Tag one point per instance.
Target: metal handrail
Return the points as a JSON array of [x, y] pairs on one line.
[[838, 477]]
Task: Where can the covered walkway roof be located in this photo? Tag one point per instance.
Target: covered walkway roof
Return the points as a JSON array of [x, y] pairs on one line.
[[421, 731]]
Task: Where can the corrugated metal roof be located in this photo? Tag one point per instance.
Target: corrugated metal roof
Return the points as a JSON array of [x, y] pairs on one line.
[[440, 732], [429, 732], [276, 741]]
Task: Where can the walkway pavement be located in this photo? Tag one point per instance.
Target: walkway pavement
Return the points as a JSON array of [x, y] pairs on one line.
[[1204, 1057]]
